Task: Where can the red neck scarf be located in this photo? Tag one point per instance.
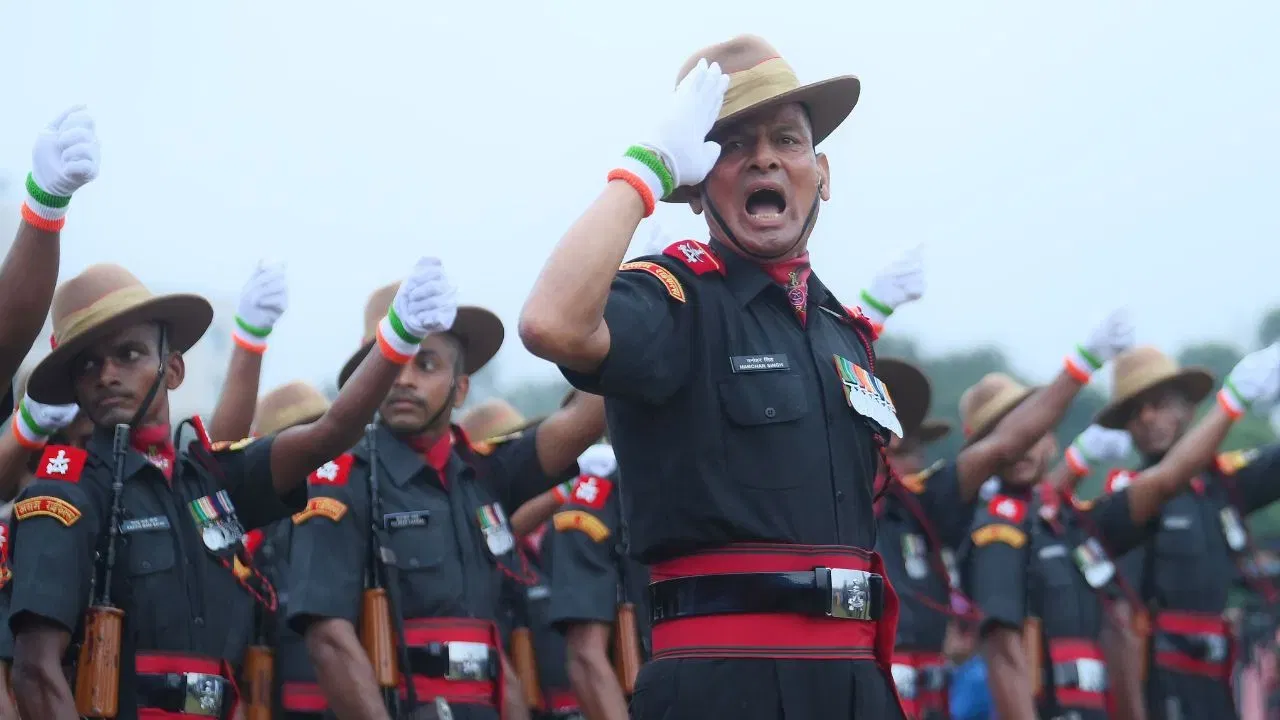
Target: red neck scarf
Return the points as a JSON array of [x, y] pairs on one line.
[[793, 276], [154, 442], [436, 454]]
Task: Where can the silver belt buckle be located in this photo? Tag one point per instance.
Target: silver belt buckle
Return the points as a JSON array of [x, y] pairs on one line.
[[850, 594], [203, 694], [1091, 675], [467, 661], [1215, 648], [905, 679]]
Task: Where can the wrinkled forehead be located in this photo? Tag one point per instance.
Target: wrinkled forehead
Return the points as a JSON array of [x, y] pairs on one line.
[[767, 118]]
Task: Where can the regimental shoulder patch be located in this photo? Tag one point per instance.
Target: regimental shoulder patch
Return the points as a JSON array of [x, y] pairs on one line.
[[47, 506], [486, 447], [1117, 480], [1007, 508], [231, 445], [1230, 463], [665, 276], [999, 533], [591, 491], [321, 507], [916, 481], [1081, 505], [335, 472], [61, 462], [698, 257], [583, 521]]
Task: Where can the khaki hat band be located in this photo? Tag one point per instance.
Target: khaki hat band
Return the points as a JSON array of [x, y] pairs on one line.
[[764, 81], [101, 310]]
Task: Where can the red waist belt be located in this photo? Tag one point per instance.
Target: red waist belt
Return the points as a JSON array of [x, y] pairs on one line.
[[172, 686], [303, 697], [464, 657], [786, 635], [1079, 674], [921, 680], [1201, 644], [560, 701]]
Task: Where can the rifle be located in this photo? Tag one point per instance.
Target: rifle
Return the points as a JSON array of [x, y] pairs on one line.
[[98, 666], [525, 660], [259, 669], [626, 641]]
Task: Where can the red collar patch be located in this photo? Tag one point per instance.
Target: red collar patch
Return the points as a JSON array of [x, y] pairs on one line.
[[1007, 508], [700, 258], [61, 462]]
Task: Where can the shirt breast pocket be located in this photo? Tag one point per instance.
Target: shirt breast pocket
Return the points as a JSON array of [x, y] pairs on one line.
[[426, 575], [150, 567], [1064, 589], [764, 429]]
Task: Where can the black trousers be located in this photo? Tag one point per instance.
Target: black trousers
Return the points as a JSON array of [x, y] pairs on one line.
[[1182, 696]]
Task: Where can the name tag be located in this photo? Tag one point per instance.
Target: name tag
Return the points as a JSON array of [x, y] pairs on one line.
[[401, 520], [759, 363], [538, 592], [1177, 522], [159, 522], [1053, 551]]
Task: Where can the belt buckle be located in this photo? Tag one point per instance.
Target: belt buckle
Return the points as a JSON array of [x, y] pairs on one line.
[[467, 661], [905, 680], [203, 693], [1215, 648], [1091, 675], [850, 593]]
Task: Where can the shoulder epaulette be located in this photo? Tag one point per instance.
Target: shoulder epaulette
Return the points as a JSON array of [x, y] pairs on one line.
[[61, 462], [696, 256], [1117, 480], [334, 472], [859, 319], [1230, 463]]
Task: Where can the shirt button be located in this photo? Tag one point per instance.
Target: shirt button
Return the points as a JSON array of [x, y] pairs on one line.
[[199, 621], [146, 564], [770, 412], [839, 496]]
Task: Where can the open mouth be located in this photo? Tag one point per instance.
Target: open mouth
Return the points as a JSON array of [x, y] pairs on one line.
[[766, 204]]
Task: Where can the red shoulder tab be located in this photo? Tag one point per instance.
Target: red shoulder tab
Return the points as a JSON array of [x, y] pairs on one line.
[[862, 322], [61, 462], [591, 491], [334, 472], [1117, 480], [1007, 508], [202, 434], [252, 541], [700, 258]]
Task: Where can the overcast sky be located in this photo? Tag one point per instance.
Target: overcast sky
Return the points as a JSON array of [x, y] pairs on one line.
[[1056, 159]]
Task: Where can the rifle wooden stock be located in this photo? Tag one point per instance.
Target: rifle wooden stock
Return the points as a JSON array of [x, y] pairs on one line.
[[1033, 649], [377, 635], [98, 668], [526, 666], [1142, 628], [626, 648], [259, 670]]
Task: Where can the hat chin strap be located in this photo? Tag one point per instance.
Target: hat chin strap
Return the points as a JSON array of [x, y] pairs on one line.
[[446, 406], [728, 234], [155, 384]]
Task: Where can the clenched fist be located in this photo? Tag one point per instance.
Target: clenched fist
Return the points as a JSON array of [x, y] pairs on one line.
[[65, 158]]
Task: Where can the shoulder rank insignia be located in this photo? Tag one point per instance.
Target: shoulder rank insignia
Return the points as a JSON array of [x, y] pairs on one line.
[[61, 462], [321, 507], [48, 506], [231, 445], [699, 258], [665, 276], [1117, 480], [591, 491], [999, 533], [582, 521], [334, 472], [1229, 463], [1009, 509]]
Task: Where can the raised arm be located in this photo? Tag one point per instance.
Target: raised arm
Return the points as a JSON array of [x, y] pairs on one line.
[[30, 427], [897, 284], [262, 302]]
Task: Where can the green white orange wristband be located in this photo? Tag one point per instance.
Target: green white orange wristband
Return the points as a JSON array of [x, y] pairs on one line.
[[644, 170], [396, 343], [250, 337], [1076, 460], [43, 210], [1230, 401], [564, 490], [28, 433], [1081, 364], [875, 311]]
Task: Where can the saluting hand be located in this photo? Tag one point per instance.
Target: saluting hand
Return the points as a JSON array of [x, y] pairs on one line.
[[65, 158], [680, 140], [34, 421], [264, 299], [1099, 445], [896, 285], [1254, 383], [426, 302]]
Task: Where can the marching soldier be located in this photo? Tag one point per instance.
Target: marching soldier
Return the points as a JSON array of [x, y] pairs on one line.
[[1038, 563], [409, 531], [742, 394], [1183, 573], [143, 534]]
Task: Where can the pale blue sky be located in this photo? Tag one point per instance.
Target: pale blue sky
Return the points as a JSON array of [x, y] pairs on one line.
[[1056, 159]]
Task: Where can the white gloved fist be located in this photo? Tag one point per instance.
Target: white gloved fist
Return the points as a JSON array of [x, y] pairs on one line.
[[264, 299], [34, 422], [894, 286], [1275, 420], [65, 158], [679, 153], [598, 460], [1253, 384], [1114, 335], [425, 303], [1097, 445]]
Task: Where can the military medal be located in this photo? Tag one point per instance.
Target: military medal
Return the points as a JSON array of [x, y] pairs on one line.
[[1094, 565], [953, 573], [493, 523], [913, 553], [867, 395], [215, 518], [1232, 529]]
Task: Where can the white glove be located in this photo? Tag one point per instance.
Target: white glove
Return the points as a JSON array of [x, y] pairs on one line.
[[64, 159], [1097, 445], [679, 153], [894, 286], [425, 303], [1275, 420], [34, 422], [656, 240], [598, 460], [1110, 338], [263, 300], [1253, 383]]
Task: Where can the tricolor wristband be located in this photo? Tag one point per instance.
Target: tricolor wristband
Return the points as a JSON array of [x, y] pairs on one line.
[[1081, 364], [395, 342], [28, 433], [43, 210], [644, 170], [250, 337], [1231, 402], [564, 490], [1076, 461], [875, 311]]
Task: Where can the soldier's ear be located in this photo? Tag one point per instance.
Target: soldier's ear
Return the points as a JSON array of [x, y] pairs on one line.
[[462, 385], [175, 371], [824, 177]]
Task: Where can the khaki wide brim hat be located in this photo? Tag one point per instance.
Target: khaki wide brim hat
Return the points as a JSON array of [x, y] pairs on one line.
[[760, 78], [1140, 369], [984, 405], [286, 406], [479, 331], [102, 300], [491, 419], [910, 391]]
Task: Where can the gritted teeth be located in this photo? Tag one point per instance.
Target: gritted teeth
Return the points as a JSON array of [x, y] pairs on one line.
[[766, 203]]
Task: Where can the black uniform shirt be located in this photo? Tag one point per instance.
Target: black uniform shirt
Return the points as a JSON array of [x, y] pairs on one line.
[[448, 564], [176, 595], [291, 661], [733, 414], [6, 574], [533, 613], [1189, 565]]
